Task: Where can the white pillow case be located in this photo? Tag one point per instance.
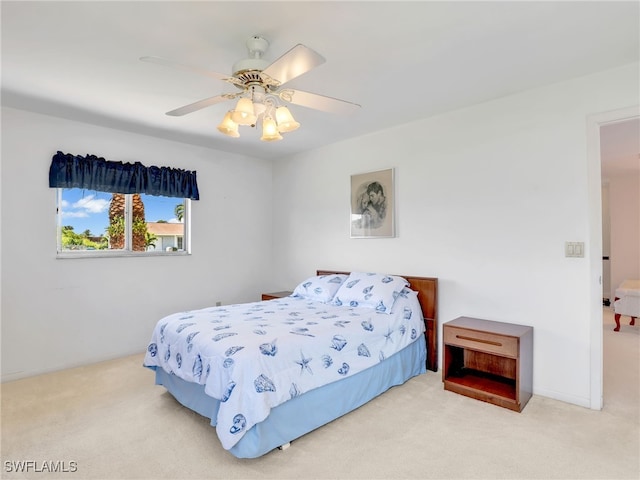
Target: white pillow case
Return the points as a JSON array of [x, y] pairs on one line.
[[321, 288], [407, 301], [375, 290]]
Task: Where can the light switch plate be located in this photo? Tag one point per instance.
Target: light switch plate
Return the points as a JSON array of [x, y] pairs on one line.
[[574, 249]]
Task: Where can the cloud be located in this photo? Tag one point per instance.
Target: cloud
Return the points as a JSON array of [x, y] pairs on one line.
[[77, 214], [91, 204]]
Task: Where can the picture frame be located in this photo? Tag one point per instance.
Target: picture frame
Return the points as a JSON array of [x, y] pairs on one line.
[[373, 204]]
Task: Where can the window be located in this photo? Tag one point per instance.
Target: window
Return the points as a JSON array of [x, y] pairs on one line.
[[95, 223], [107, 208]]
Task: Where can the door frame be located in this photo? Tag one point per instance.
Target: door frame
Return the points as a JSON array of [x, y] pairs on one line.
[[594, 180]]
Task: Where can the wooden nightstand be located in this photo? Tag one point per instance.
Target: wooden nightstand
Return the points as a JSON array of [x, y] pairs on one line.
[[489, 361], [272, 295]]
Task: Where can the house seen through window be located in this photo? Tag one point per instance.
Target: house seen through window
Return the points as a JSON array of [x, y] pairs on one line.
[[92, 222]]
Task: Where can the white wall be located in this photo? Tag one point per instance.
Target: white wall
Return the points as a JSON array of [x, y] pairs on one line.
[[486, 198], [624, 213], [61, 313]]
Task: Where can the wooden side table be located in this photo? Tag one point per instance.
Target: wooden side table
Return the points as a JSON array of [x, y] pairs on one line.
[[489, 361], [272, 295]]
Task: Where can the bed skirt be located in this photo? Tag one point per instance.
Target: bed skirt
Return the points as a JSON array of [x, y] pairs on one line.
[[304, 413]]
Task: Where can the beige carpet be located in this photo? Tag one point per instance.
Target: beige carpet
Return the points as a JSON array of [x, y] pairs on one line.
[[108, 421]]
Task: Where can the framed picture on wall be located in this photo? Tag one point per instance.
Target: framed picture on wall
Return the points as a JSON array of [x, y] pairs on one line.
[[372, 205]]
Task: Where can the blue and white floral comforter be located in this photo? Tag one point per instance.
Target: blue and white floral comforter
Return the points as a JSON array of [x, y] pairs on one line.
[[255, 356]]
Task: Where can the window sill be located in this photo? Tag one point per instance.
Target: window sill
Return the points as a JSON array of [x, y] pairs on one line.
[[112, 254]]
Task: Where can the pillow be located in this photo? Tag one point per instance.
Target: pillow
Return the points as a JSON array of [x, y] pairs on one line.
[[320, 288], [407, 301], [375, 290]]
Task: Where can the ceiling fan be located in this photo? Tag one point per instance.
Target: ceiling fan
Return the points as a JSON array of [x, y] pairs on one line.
[[262, 95]]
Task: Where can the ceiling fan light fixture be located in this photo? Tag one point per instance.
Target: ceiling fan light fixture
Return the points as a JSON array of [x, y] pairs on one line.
[[228, 126], [270, 130], [286, 122], [243, 113]]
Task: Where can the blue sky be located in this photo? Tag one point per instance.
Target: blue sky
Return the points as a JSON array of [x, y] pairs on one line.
[[85, 209]]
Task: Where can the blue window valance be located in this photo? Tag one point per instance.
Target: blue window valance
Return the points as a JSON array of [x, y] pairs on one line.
[[95, 173]]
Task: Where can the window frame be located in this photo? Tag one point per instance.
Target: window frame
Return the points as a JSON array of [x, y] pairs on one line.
[[126, 251]]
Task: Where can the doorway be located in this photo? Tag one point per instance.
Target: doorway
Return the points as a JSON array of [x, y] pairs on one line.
[[620, 168], [600, 129]]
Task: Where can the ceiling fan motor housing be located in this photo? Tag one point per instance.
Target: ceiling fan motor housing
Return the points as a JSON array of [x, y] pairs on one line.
[[256, 46]]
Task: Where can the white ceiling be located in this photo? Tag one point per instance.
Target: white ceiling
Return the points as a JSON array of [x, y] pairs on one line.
[[400, 60]]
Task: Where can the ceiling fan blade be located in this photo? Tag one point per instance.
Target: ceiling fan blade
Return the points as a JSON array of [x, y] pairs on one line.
[[199, 105], [202, 71], [295, 62], [318, 102]]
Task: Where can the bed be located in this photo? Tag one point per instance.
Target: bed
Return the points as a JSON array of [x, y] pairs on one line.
[[266, 373], [627, 302]]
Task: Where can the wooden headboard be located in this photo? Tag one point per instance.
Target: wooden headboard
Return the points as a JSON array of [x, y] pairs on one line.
[[427, 288]]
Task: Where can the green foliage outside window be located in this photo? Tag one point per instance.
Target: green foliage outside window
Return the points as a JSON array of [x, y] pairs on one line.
[[72, 240]]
